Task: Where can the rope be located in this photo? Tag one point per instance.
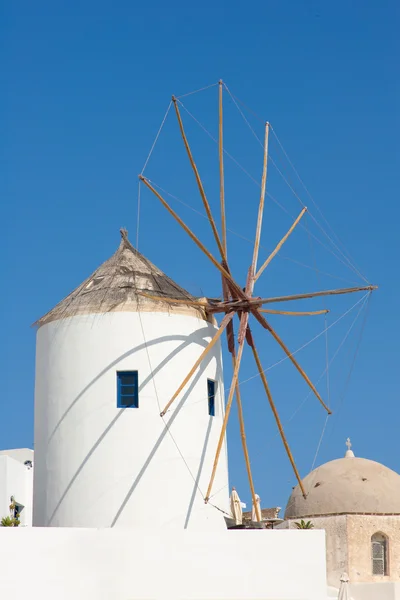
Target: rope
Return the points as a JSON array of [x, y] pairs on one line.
[[166, 424], [207, 87], [348, 258], [345, 387], [346, 264], [324, 371], [320, 442], [156, 138], [247, 239], [312, 199], [307, 343], [138, 217]]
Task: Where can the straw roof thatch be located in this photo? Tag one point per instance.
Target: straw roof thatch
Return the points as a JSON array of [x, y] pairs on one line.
[[114, 286]]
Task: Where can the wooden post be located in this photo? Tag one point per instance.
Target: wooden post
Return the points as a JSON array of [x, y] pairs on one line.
[[279, 246], [275, 413], [206, 350], [221, 171], [199, 182]]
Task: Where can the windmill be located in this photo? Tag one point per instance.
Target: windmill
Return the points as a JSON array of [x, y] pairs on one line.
[[241, 301]]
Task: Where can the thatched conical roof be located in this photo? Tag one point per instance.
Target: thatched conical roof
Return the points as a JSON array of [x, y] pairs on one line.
[[114, 287]]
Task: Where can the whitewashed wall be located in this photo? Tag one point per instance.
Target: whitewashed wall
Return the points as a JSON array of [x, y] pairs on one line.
[[89, 564], [100, 466], [15, 480]]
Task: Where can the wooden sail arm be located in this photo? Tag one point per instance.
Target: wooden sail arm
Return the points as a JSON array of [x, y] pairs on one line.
[[279, 245], [250, 287], [244, 444], [196, 240], [221, 170], [202, 356], [292, 313], [367, 288], [226, 418], [199, 182], [250, 341]]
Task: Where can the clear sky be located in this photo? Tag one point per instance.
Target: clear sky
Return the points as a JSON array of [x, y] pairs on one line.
[[84, 88]]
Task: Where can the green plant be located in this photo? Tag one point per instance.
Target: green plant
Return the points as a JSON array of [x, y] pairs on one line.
[[304, 525], [9, 522]]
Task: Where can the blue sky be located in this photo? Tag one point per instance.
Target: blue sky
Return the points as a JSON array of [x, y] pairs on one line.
[[85, 86]]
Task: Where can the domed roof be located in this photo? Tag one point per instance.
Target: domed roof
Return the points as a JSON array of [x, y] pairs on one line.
[[118, 285], [347, 485]]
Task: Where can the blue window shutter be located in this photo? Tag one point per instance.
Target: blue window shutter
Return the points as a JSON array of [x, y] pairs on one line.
[[211, 385], [127, 389]]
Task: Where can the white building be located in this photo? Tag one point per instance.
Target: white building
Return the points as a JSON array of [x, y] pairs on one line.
[[118, 495], [16, 479], [357, 503]]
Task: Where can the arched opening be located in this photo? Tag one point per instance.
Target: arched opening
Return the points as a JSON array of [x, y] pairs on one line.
[[379, 550]]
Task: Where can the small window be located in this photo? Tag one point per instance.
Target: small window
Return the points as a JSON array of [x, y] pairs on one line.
[[211, 385], [379, 548], [127, 389]]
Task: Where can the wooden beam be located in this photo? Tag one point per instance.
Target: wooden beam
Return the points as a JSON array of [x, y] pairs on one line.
[[226, 417], [292, 313], [196, 240], [244, 443], [260, 211], [202, 356], [199, 182], [368, 288], [275, 412], [279, 245], [221, 171]]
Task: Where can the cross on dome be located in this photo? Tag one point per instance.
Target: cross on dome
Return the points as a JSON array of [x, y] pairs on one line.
[[349, 452]]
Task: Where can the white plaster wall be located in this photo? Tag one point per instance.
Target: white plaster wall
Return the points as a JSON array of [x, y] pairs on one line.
[[375, 591], [15, 480], [100, 466], [89, 564]]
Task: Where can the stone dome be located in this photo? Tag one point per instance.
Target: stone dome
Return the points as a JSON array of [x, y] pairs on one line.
[[347, 485]]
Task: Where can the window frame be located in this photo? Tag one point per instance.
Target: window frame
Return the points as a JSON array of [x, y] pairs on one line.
[[382, 540], [211, 399], [120, 386]]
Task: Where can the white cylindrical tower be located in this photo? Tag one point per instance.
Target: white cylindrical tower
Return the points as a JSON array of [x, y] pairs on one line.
[[107, 361]]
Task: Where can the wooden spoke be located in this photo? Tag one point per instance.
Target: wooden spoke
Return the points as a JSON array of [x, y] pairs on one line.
[[221, 171], [226, 417], [201, 303], [202, 356], [196, 240], [279, 246], [260, 210], [275, 412], [296, 364], [292, 313], [199, 182], [367, 288], [244, 443]]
